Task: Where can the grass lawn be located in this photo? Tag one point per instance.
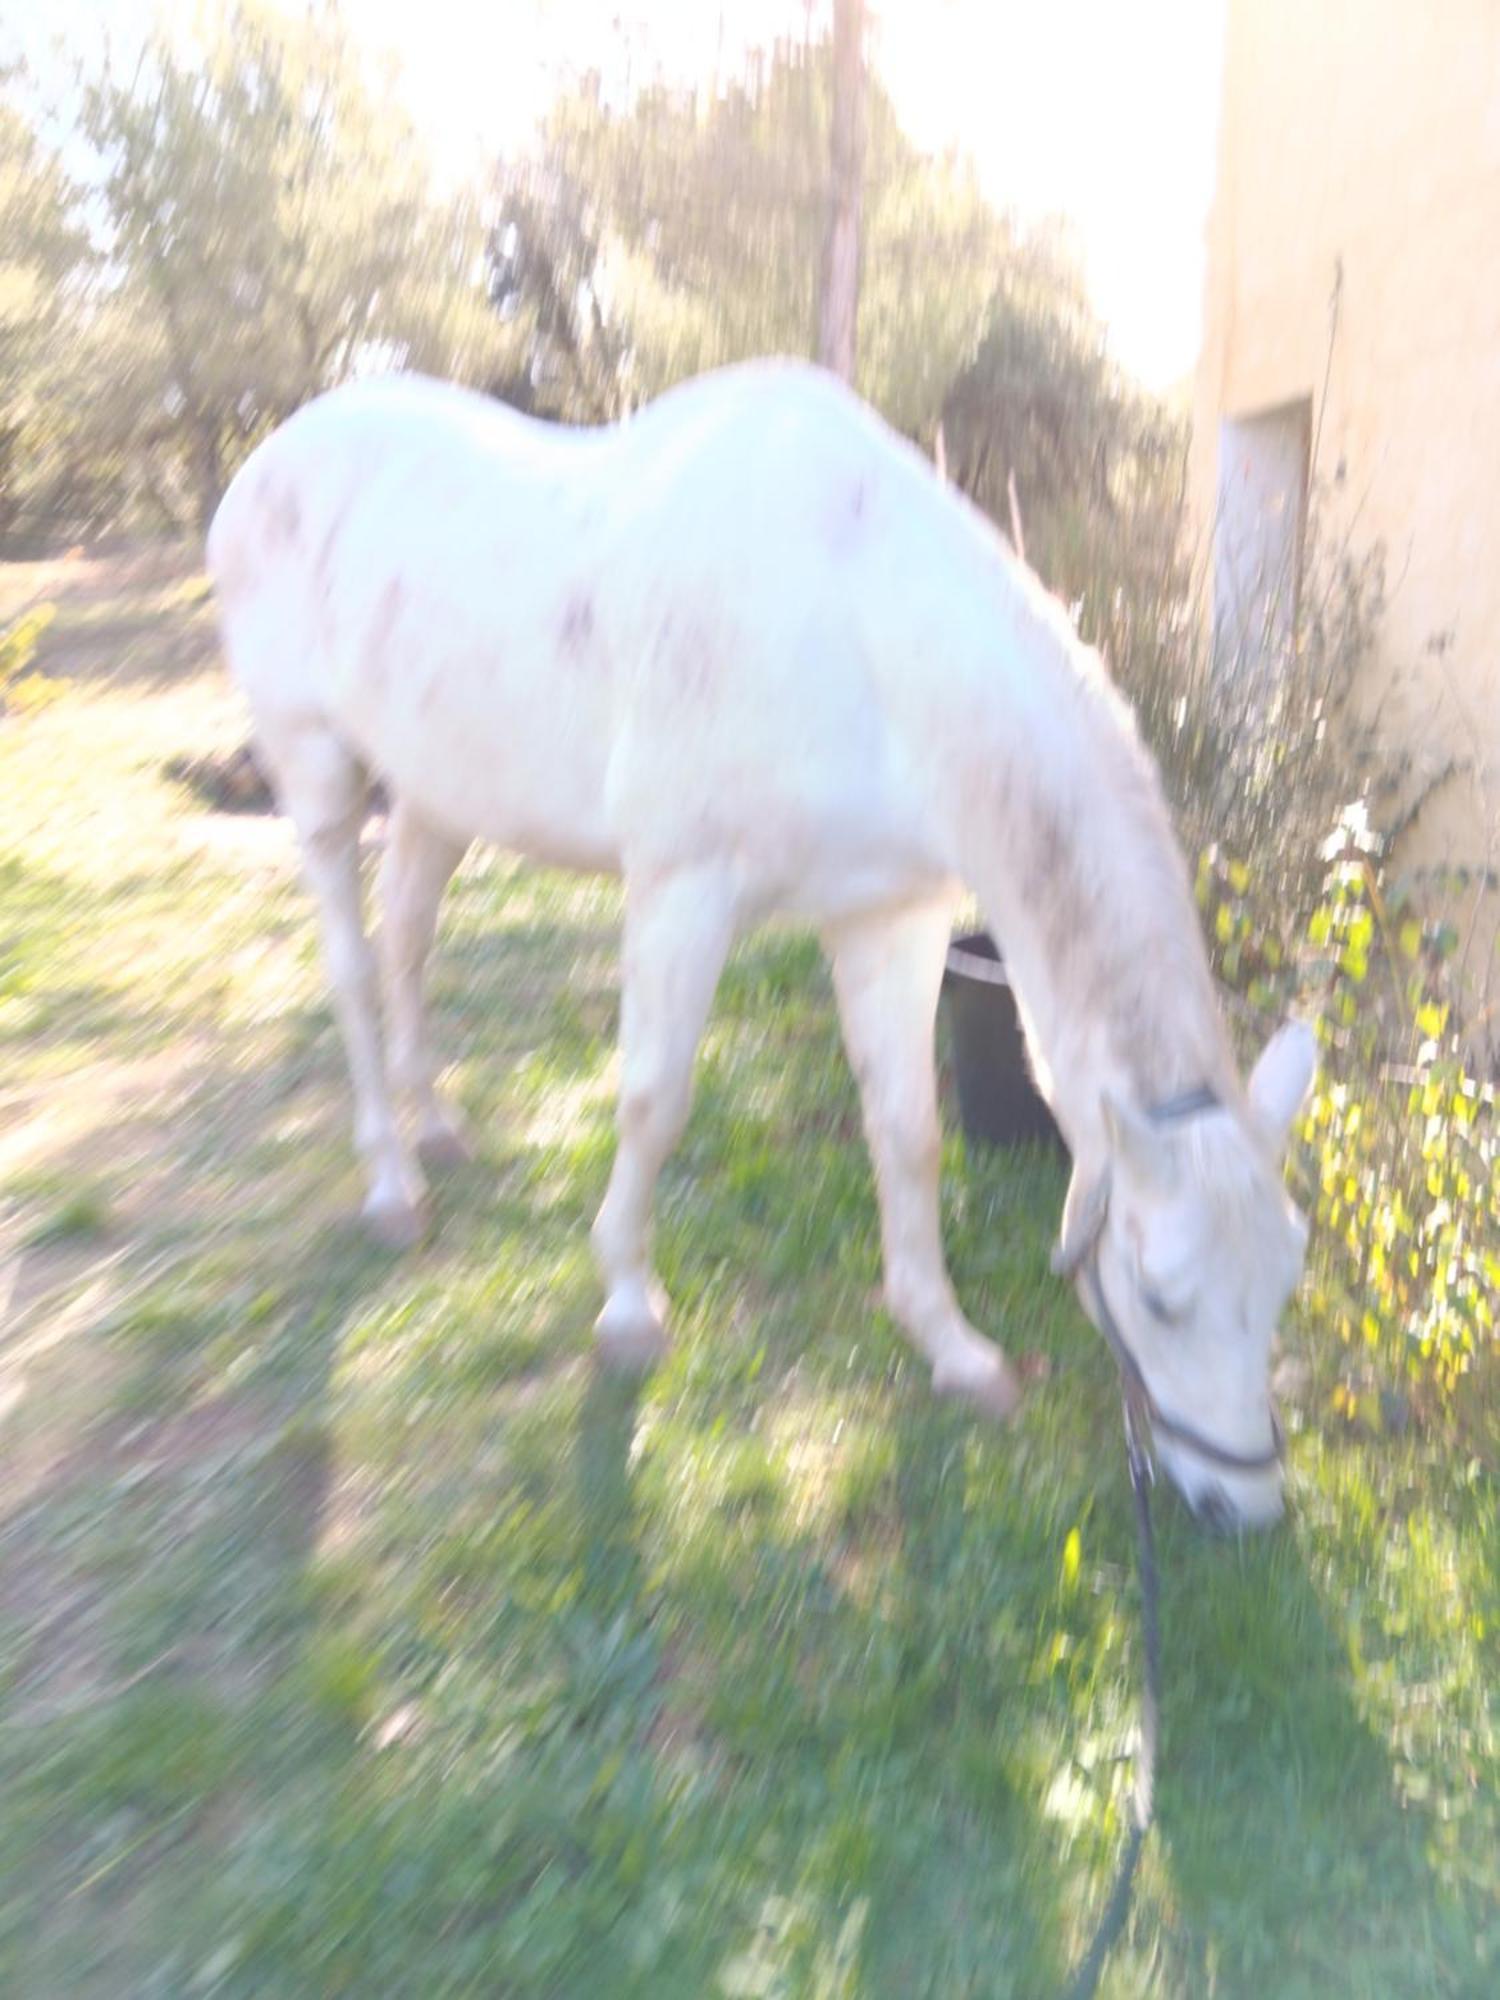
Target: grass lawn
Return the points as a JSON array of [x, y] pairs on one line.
[[356, 1638]]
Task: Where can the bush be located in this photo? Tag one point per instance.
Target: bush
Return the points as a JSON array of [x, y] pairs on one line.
[[19, 689], [1096, 467], [1398, 1154], [1264, 752]]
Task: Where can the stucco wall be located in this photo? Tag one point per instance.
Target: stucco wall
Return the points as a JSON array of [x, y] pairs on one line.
[[1359, 150]]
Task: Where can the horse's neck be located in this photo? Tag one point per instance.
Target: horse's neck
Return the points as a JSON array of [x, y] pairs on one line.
[[1078, 871]]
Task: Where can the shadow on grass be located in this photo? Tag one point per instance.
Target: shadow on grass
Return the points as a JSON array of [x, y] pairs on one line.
[[1293, 1864], [169, 1458]]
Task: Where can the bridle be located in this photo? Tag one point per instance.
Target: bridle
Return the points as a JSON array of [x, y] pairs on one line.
[[1144, 1420], [1140, 1403], [1144, 1416]]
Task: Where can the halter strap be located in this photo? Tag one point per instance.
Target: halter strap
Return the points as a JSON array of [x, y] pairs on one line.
[[1142, 1416], [1186, 1104], [1140, 1402]]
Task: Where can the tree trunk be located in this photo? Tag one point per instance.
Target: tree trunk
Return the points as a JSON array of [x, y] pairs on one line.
[[838, 295], [207, 468]]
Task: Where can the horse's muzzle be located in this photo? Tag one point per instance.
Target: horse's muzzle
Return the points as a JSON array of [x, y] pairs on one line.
[[1225, 1504]]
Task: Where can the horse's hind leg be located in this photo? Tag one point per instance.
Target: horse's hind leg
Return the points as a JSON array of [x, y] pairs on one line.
[[323, 790], [414, 871], [678, 930], [887, 972]]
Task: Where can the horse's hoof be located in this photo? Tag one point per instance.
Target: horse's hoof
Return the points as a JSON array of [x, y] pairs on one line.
[[986, 1383], [631, 1337], [395, 1225], [444, 1149]]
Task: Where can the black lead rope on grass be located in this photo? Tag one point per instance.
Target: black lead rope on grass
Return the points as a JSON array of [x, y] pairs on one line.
[[1140, 1411], [1143, 1416], [1117, 1909]]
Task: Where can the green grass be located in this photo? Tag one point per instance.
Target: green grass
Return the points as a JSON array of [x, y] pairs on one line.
[[357, 1638]]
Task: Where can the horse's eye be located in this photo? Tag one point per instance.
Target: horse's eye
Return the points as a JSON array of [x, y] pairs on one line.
[[1157, 1306]]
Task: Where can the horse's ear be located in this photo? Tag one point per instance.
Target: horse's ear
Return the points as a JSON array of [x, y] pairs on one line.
[[1134, 1140], [1082, 1219], [1281, 1080]]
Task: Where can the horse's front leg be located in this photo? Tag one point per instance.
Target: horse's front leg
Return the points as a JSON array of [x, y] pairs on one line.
[[887, 971], [678, 930]]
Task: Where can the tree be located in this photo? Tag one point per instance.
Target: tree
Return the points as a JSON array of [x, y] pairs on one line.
[[44, 254], [271, 229], [567, 352], [1097, 463], [641, 244]]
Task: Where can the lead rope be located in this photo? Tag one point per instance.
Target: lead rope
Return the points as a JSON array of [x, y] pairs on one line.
[[1117, 1909], [1139, 1410]]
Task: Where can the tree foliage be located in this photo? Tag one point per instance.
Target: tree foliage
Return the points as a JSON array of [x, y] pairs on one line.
[[268, 224], [1097, 465], [44, 253], [642, 243]]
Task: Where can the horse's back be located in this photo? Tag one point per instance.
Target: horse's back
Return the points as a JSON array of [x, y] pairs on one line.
[[390, 567], [574, 641]]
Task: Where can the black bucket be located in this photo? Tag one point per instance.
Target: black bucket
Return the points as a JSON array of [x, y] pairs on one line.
[[998, 1104]]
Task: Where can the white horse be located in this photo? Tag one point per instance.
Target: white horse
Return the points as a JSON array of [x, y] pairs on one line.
[[748, 652]]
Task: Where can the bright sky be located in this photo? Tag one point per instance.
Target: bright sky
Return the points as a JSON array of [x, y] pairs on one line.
[[1102, 110]]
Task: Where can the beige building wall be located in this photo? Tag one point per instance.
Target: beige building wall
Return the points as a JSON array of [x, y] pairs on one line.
[[1359, 197]]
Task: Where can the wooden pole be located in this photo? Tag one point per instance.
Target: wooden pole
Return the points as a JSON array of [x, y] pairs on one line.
[[838, 295]]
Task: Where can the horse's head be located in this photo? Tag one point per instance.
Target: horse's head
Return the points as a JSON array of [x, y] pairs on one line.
[[1186, 1248]]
